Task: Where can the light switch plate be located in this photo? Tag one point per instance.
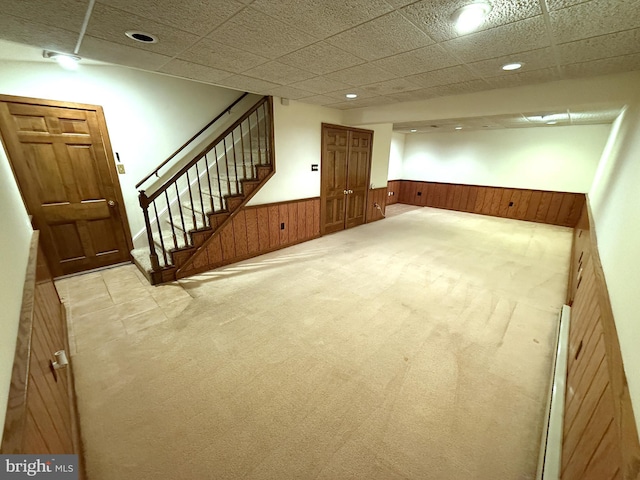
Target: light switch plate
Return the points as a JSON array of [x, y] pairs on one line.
[[120, 168]]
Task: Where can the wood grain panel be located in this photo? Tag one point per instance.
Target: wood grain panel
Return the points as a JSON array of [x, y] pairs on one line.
[[256, 230], [283, 225], [253, 239], [41, 417], [600, 436], [240, 234], [393, 188], [556, 208], [376, 196]]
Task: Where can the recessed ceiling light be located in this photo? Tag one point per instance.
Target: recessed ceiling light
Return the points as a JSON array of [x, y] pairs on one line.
[[512, 66], [470, 17], [141, 37], [552, 122], [67, 61], [351, 95], [458, 128], [413, 130]]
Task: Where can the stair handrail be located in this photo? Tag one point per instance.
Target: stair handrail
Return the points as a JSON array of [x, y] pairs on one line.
[[172, 156], [202, 152]]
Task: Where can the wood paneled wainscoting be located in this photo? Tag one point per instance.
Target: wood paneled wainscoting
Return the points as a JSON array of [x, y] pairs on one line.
[[600, 440], [256, 230], [41, 414], [376, 196], [393, 191], [555, 208]]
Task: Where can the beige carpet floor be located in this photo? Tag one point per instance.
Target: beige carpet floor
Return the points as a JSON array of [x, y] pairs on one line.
[[417, 347]]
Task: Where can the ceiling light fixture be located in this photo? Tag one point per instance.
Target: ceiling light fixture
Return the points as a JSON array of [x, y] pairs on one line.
[[458, 128], [512, 66], [413, 130], [67, 61], [141, 37], [470, 17], [351, 95], [552, 122]]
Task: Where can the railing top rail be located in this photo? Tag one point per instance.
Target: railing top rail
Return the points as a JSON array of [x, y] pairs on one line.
[[218, 139], [172, 156]]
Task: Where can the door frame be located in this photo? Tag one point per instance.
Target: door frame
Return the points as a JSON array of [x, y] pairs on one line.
[[104, 133], [322, 174]]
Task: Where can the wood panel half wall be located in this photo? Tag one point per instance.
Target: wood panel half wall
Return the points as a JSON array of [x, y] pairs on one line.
[[376, 196], [256, 230], [556, 208], [600, 440]]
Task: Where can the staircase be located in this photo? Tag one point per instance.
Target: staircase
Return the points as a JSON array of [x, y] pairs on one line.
[[202, 196]]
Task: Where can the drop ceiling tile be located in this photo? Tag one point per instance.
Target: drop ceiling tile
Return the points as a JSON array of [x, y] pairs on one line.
[[524, 78], [111, 24], [435, 16], [593, 117], [194, 71], [321, 58], [216, 55], [277, 72], [105, 51], [319, 100], [414, 95], [612, 45], [533, 60], [598, 17], [19, 30], [425, 59], [287, 91], [558, 4], [255, 32], [624, 63], [323, 18], [364, 102], [361, 75], [444, 76], [396, 85], [248, 84], [67, 14], [320, 85], [193, 16], [382, 37], [508, 39], [400, 3], [470, 86]]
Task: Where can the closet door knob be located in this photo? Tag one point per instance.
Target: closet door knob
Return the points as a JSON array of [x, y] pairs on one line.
[[350, 191], [345, 192]]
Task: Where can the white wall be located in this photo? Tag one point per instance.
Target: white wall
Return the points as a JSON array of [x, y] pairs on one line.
[[298, 139], [550, 158], [15, 239], [148, 115], [615, 203], [396, 156]]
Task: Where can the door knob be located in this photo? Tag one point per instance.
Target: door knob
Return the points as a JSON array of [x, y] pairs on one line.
[[345, 192], [350, 191], [111, 203]]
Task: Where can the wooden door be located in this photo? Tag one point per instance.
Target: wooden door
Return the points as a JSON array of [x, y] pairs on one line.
[[359, 163], [335, 142], [346, 162], [61, 156]]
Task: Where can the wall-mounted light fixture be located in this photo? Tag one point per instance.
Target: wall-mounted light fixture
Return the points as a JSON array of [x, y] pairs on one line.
[[68, 61]]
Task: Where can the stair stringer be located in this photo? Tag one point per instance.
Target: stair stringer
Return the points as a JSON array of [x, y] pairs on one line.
[[199, 261]]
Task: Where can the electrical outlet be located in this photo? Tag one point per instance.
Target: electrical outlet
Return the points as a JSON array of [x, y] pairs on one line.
[[120, 168]]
